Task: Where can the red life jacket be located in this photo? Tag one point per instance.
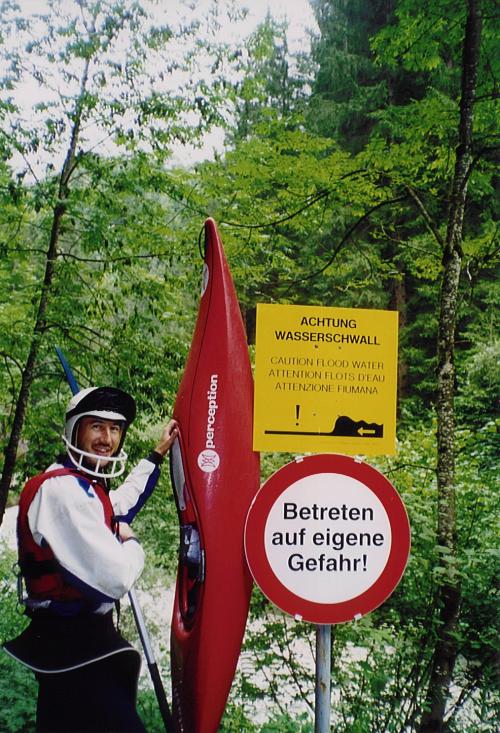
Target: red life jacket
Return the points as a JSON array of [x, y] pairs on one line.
[[41, 571]]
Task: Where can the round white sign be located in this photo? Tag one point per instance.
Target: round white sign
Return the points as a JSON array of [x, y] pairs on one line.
[[327, 538]]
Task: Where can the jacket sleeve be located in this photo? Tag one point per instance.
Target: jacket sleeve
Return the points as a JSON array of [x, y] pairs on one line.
[[68, 515], [131, 496]]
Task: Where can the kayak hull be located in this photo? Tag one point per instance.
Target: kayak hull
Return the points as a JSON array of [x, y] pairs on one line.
[[215, 474]]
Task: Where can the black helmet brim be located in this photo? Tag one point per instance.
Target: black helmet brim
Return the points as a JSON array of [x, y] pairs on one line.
[[109, 399]]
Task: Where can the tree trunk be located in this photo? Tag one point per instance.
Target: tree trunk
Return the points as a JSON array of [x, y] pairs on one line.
[[448, 592], [28, 372], [399, 303]]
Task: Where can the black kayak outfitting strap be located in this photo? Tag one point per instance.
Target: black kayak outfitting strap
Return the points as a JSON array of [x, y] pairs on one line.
[[31, 568]]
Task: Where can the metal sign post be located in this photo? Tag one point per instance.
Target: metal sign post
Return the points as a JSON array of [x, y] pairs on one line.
[[323, 679]]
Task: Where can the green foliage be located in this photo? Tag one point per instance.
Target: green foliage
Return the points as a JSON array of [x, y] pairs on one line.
[[347, 85], [380, 663], [479, 392], [286, 724], [83, 219], [130, 294], [125, 94], [287, 224], [272, 79], [12, 620], [337, 196], [388, 88], [236, 721], [147, 707], [418, 43], [18, 697]]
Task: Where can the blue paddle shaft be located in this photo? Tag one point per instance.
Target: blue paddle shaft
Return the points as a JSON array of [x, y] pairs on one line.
[[73, 384]]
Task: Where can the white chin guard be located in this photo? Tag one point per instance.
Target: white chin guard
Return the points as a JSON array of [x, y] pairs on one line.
[[105, 466]]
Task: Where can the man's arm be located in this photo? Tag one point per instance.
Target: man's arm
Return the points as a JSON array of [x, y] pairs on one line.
[[129, 498]]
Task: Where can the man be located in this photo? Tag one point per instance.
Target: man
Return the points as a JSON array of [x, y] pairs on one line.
[[78, 555]]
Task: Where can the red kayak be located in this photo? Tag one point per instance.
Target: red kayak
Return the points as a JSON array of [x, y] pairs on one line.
[[215, 475]]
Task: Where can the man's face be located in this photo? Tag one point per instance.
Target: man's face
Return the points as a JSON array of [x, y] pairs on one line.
[[98, 436]]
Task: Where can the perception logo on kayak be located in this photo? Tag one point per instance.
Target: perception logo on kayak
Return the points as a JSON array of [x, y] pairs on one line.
[[208, 459]]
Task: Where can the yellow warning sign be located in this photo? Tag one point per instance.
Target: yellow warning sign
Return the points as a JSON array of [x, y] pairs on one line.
[[325, 380]]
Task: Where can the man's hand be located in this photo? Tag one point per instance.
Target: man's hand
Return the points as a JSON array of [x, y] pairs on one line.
[[125, 532], [169, 434]]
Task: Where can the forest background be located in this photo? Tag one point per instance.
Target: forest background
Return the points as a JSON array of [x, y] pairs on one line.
[[361, 173]]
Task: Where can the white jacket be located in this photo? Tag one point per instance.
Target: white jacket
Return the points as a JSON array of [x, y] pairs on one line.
[[67, 514]]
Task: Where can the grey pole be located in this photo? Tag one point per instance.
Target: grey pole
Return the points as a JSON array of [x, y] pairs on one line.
[[152, 666], [323, 681]]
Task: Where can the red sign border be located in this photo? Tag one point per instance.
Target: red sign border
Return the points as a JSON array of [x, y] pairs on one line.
[[273, 588]]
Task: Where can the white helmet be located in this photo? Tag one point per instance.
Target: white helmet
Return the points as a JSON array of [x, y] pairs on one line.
[[108, 403]]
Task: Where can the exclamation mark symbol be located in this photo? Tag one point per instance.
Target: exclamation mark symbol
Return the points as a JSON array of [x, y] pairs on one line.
[[297, 413], [364, 562]]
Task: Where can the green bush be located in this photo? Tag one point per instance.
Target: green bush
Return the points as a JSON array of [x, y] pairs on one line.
[[18, 697]]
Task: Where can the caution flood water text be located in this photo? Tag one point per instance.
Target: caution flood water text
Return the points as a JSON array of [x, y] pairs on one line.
[[325, 379]]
